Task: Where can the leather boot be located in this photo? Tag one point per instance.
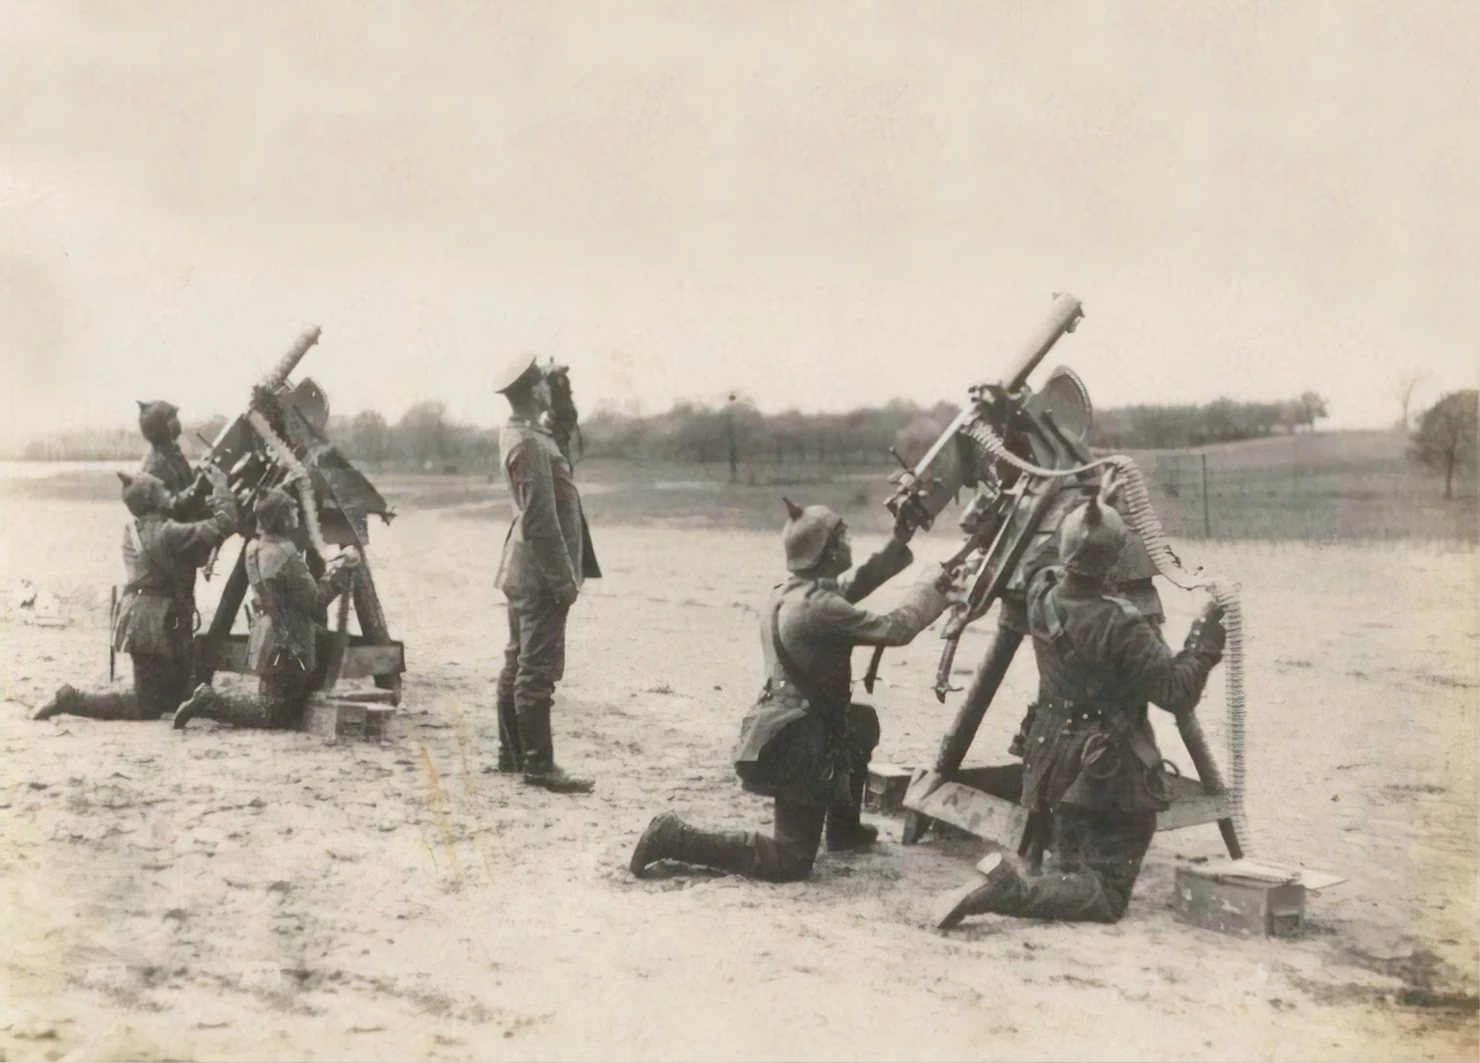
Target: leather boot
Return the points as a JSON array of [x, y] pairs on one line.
[[508, 762], [845, 832], [237, 709], [555, 779], [69, 700], [670, 838], [996, 888], [60, 702]]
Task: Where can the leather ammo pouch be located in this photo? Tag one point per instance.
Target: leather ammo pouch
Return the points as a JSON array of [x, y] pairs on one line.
[[815, 760]]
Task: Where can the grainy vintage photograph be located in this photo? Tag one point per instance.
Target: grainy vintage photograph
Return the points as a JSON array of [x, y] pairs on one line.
[[653, 530]]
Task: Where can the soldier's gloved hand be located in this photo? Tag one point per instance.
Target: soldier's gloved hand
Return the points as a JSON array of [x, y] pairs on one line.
[[566, 596], [1207, 634], [940, 577], [215, 477], [904, 530]]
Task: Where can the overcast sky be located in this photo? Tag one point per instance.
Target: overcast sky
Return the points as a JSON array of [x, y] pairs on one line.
[[821, 204]]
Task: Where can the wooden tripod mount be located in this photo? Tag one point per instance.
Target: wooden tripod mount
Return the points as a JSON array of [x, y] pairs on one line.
[[986, 801]]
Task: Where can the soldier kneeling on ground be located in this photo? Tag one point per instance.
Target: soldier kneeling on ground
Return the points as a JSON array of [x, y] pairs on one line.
[[282, 648], [803, 743], [156, 614], [1090, 761]]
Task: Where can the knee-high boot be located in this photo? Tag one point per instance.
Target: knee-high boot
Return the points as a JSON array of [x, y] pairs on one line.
[[114, 705], [845, 831], [238, 708], [670, 838]]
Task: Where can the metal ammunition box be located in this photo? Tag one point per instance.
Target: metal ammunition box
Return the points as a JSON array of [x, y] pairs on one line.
[[1237, 904]]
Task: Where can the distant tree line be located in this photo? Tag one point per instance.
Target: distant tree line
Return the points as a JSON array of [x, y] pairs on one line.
[[1222, 421], [115, 444], [733, 432]]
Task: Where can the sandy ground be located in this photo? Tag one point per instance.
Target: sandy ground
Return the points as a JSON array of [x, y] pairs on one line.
[[232, 895]]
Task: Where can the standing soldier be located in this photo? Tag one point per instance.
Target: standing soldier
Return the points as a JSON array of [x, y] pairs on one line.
[[159, 422], [282, 648], [156, 615], [1091, 761], [543, 565], [804, 743]]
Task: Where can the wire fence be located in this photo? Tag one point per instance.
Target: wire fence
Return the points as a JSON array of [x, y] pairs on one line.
[[1199, 496]]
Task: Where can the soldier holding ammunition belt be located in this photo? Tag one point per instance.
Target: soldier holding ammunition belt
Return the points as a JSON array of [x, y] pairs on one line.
[[156, 615], [1130, 578], [1090, 760], [805, 743], [283, 646]]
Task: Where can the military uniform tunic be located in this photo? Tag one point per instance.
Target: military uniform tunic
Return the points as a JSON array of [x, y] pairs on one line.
[[156, 613], [546, 557], [786, 742], [283, 646], [1091, 762]]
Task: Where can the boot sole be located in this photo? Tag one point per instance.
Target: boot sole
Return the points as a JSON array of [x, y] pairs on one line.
[[640, 861], [556, 788], [853, 847], [954, 906]]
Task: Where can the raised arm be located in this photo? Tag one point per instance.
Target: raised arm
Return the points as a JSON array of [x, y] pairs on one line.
[[868, 577], [923, 603], [194, 540], [1174, 682]]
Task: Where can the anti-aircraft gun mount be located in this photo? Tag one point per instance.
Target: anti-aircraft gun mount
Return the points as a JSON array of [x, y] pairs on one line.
[[1027, 456], [281, 441]]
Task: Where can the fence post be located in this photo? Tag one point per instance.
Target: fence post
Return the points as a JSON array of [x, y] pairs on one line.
[[1207, 518]]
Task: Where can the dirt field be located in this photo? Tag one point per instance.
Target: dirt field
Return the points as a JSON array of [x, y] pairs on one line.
[[233, 895]]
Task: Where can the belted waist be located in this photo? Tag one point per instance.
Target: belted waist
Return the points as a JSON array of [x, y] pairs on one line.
[[1070, 710], [782, 688]]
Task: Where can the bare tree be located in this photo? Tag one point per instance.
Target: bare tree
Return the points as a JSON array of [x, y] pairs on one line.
[[1312, 409], [1445, 440], [739, 412], [1403, 390]]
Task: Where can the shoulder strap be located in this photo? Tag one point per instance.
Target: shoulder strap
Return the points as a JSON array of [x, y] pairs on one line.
[[799, 678], [1094, 681], [1092, 677], [147, 550]]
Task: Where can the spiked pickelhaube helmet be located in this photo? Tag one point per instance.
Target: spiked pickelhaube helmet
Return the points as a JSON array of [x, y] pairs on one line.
[[807, 533], [156, 420], [1091, 539], [144, 494]]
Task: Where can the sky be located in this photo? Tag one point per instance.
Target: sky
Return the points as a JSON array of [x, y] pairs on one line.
[[819, 205]]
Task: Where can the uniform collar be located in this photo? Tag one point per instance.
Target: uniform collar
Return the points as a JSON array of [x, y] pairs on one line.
[[827, 583], [1073, 586], [534, 426]]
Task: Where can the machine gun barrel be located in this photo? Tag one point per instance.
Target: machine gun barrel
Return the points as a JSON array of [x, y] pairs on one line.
[[288, 362], [1062, 317]]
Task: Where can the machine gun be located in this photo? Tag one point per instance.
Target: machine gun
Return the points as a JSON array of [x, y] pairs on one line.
[[1001, 421], [281, 441], [1027, 456]]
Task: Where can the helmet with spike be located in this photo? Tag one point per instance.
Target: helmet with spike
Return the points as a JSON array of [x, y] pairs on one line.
[[1091, 539], [807, 534]]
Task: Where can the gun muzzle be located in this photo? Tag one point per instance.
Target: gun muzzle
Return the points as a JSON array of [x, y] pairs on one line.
[[288, 362], [1062, 317]]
